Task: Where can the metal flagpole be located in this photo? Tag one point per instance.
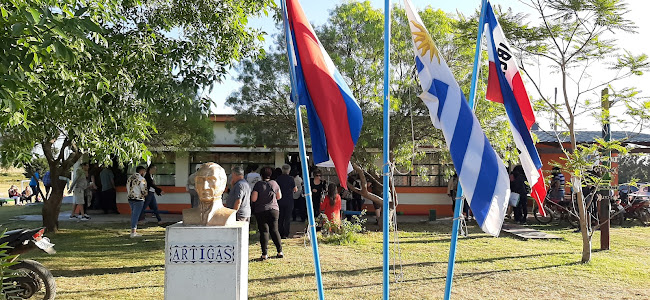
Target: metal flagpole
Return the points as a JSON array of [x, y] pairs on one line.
[[303, 155], [459, 194], [385, 168]]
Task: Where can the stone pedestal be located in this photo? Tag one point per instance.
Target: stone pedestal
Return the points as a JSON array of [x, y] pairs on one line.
[[206, 262]]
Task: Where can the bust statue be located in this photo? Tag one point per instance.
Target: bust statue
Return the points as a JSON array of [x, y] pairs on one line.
[[210, 183]]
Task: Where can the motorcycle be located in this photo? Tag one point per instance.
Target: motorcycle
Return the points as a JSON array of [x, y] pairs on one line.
[[29, 279], [637, 207]]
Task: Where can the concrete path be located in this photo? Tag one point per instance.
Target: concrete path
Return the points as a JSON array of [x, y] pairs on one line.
[[98, 216], [526, 232]]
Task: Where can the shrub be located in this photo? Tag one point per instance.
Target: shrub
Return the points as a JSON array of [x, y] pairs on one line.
[[347, 233]]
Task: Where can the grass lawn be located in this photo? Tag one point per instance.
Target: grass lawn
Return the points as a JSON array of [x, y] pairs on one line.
[[100, 261]]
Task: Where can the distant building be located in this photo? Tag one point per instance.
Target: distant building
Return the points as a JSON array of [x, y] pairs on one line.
[[417, 194]]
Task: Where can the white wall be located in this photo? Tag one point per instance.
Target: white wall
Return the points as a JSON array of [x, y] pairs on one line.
[[182, 168]]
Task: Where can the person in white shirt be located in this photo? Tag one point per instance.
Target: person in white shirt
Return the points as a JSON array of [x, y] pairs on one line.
[[252, 176], [79, 186], [136, 190]]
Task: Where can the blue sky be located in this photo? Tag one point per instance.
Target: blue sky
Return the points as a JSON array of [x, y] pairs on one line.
[[318, 11]]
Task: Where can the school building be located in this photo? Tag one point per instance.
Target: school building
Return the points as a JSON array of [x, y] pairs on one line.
[[417, 194]]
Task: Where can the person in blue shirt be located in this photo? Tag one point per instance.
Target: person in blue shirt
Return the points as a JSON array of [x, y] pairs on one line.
[[33, 183], [47, 183]]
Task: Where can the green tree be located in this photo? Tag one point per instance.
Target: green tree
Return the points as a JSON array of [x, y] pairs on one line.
[[634, 166], [353, 36], [134, 83], [576, 38]]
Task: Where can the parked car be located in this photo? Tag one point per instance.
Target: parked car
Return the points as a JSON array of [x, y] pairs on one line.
[[643, 193]]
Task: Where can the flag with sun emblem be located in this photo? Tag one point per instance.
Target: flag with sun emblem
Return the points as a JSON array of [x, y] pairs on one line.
[[481, 172]]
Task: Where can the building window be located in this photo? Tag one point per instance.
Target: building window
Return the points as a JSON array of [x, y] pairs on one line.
[[165, 168], [428, 171], [229, 159]]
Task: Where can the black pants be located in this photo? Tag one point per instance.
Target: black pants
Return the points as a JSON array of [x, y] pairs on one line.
[[315, 201], [107, 200], [36, 190], [465, 207], [267, 223], [521, 210], [284, 221], [299, 209]]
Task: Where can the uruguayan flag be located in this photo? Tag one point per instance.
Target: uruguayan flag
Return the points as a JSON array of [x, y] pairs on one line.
[[481, 172]]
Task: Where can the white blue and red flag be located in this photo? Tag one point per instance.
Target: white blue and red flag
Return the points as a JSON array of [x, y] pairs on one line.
[[506, 86], [334, 116], [481, 172]]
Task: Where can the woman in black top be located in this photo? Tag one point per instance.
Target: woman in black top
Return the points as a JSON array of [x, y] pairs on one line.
[[318, 186], [150, 200], [265, 195]]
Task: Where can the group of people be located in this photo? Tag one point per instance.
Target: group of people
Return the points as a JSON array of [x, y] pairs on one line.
[[273, 196], [32, 192], [20, 198], [141, 190], [92, 190], [519, 190]]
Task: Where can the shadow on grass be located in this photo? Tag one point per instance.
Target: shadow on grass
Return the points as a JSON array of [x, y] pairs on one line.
[[417, 264], [464, 275], [108, 290], [105, 271]]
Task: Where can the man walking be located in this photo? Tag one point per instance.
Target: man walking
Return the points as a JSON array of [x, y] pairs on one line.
[[136, 191], [287, 188], [239, 197]]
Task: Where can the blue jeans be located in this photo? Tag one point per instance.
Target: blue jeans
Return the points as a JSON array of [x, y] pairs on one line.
[[150, 201], [136, 210]]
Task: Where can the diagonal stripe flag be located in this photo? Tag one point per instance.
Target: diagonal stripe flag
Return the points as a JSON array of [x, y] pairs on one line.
[[505, 86], [334, 116], [481, 172]]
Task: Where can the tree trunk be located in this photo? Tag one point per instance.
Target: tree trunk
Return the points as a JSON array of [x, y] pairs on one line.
[[52, 206], [582, 211]]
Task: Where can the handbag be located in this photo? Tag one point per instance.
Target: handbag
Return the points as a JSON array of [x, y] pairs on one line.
[[514, 199]]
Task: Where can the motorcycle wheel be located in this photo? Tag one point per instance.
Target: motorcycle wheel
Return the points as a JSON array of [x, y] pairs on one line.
[[32, 281], [543, 219]]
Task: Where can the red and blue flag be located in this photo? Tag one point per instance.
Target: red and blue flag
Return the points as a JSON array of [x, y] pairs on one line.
[[334, 116], [506, 86]]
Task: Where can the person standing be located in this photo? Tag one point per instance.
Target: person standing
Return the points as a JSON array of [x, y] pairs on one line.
[[287, 187], [299, 205], [265, 195], [239, 197], [108, 193], [557, 185], [34, 184], [136, 191], [251, 175], [153, 190], [79, 186], [318, 187], [191, 188], [518, 185], [47, 183]]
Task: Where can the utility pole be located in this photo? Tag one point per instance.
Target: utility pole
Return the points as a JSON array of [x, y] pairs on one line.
[[605, 200], [555, 115]]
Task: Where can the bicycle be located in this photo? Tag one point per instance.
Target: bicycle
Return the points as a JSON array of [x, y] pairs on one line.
[[558, 210]]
